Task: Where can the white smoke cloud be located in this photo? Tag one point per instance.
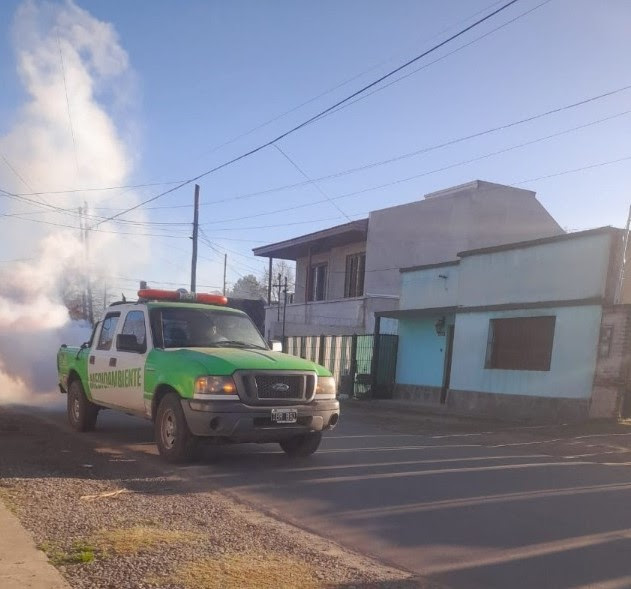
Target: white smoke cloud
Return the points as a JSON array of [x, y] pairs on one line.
[[53, 41]]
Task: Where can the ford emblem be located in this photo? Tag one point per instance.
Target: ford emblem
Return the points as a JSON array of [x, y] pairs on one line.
[[280, 387]]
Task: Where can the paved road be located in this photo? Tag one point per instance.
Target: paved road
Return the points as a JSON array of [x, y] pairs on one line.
[[464, 509]]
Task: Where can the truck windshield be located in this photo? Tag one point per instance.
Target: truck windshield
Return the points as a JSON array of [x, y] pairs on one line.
[[201, 328]]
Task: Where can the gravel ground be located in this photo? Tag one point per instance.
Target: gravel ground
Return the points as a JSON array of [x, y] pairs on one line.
[[109, 521]]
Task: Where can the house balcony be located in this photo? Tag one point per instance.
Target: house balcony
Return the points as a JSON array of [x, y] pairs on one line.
[[332, 317]]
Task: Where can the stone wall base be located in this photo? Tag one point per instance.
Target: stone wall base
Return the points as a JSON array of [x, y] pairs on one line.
[[498, 406]]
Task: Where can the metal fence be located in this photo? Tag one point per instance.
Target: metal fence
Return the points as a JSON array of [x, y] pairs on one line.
[[363, 365]]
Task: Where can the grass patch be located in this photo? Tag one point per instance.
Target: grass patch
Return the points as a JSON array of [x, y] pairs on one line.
[[79, 553], [141, 538], [237, 570]]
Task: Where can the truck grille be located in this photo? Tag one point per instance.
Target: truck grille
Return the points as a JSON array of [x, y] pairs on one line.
[[280, 387], [267, 387]]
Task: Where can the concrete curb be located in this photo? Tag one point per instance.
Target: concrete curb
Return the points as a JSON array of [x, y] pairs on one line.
[[22, 565]]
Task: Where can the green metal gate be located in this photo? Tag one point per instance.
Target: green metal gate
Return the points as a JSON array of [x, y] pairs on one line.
[[363, 365]]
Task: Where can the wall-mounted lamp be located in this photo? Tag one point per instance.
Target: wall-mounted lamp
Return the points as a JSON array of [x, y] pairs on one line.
[[440, 326]]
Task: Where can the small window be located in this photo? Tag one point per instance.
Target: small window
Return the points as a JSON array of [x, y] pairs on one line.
[[107, 331], [520, 343], [354, 280], [318, 282], [135, 325]]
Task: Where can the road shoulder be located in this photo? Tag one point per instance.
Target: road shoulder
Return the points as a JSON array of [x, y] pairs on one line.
[[22, 565]]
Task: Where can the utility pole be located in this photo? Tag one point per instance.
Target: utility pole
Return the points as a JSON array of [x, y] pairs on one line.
[[284, 311], [84, 302], [225, 266], [195, 230], [279, 290], [87, 265], [623, 262]]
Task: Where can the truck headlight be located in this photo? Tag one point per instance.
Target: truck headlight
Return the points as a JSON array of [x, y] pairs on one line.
[[325, 389], [211, 388]]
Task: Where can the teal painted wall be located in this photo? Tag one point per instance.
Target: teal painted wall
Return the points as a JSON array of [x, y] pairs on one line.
[[421, 355], [573, 362]]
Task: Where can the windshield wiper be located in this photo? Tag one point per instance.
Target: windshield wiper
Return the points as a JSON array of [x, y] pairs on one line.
[[237, 344]]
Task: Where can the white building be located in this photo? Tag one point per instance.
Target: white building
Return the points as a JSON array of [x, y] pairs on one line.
[[347, 273], [526, 330]]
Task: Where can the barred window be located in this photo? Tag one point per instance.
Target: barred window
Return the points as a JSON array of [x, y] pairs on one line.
[[520, 343], [354, 279]]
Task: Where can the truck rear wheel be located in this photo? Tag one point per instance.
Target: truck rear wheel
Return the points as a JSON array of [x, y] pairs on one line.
[[302, 445], [175, 441], [82, 413]]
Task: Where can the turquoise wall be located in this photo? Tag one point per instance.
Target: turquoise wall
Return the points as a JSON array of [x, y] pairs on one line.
[[573, 362], [421, 355]]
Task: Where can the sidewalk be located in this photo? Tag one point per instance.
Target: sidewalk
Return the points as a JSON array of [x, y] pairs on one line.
[[22, 566]]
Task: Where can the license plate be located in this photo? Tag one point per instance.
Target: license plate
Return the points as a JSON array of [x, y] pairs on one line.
[[284, 415]]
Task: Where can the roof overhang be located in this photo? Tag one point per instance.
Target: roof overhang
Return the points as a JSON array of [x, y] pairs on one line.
[[320, 241], [416, 313]]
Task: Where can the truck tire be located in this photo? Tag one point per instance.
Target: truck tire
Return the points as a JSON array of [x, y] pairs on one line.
[[175, 441], [82, 413], [302, 445]]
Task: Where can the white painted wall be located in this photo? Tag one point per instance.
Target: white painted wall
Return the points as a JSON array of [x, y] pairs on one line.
[[573, 362], [432, 287], [562, 270], [478, 214]]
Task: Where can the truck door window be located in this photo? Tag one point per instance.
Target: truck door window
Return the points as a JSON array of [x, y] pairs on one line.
[[107, 331], [135, 325]]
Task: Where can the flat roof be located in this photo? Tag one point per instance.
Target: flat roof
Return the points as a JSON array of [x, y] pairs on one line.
[[298, 247], [540, 241], [430, 266]]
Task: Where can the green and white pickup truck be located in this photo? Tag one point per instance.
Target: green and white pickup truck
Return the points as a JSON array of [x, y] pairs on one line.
[[197, 371]]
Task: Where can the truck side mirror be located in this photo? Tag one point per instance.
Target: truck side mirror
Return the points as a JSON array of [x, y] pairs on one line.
[[127, 342], [276, 346]]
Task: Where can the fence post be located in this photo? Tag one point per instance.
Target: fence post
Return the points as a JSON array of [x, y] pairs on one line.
[[353, 361], [321, 351], [374, 365]]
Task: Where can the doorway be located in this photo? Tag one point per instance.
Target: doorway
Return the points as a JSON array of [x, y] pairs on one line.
[[447, 368]]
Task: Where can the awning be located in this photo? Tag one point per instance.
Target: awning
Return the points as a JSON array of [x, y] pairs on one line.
[[416, 313], [292, 249]]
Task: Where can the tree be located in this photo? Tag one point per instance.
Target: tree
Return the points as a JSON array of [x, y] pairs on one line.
[[248, 287], [286, 270]]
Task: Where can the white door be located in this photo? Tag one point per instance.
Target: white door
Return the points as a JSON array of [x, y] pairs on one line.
[[102, 361], [132, 347]]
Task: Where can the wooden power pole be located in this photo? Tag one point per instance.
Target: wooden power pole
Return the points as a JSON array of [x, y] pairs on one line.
[[195, 231]]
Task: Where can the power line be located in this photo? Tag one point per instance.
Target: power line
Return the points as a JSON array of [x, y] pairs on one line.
[[316, 116], [445, 56], [338, 86], [63, 73], [314, 184], [403, 156], [429, 172]]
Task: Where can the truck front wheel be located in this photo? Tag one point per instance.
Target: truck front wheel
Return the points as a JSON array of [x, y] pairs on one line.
[[175, 441], [302, 445], [82, 413]]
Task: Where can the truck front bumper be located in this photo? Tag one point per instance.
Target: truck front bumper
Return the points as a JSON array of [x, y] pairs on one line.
[[237, 422]]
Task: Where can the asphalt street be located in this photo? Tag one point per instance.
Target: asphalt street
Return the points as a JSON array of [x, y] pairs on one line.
[[465, 508]]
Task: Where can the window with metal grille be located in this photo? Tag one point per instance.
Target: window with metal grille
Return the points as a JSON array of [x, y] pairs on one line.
[[354, 279], [520, 343], [317, 292]]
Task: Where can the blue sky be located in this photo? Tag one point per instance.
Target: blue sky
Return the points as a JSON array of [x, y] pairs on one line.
[[206, 72]]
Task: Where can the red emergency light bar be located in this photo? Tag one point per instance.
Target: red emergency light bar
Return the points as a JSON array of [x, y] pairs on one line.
[[155, 294]]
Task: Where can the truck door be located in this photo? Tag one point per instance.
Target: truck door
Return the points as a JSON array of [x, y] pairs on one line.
[[102, 361], [132, 347]]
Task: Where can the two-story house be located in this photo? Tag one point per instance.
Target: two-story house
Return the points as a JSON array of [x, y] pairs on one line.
[[345, 274]]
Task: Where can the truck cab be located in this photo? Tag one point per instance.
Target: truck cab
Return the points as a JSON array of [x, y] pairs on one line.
[[197, 369]]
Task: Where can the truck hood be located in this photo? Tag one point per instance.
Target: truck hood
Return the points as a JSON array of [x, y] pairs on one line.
[[225, 361]]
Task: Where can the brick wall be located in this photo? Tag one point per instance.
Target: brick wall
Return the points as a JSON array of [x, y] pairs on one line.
[[612, 376]]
